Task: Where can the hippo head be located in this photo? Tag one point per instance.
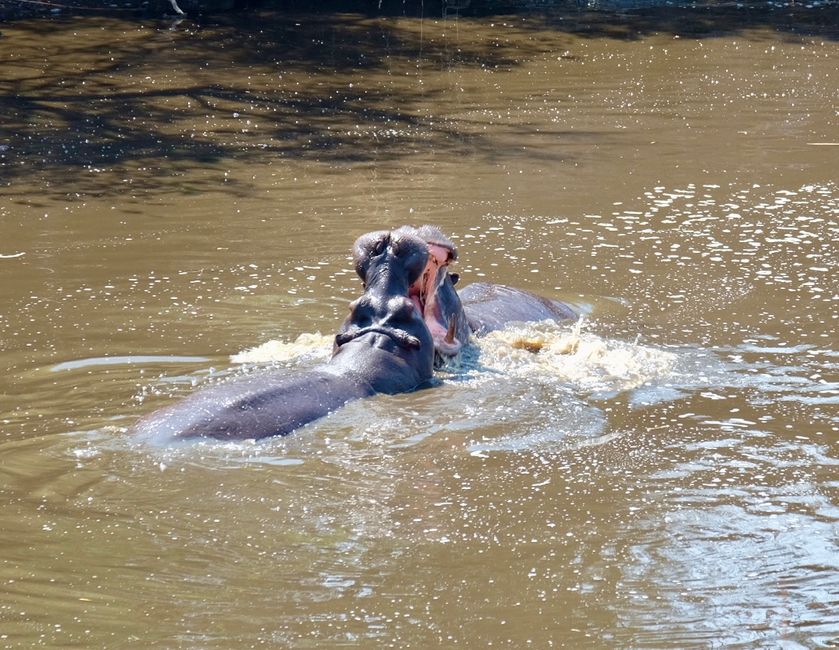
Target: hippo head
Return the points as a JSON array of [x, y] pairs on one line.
[[389, 257], [435, 295], [385, 317], [430, 287]]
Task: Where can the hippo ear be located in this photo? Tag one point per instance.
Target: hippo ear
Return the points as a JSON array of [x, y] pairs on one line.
[[366, 247]]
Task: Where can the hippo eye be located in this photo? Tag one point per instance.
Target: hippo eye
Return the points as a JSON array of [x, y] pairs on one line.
[[455, 277]]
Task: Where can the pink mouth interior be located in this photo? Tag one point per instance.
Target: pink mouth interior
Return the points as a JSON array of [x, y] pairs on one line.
[[423, 294]]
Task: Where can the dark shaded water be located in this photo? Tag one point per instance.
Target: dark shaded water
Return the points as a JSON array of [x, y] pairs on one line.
[[662, 475]]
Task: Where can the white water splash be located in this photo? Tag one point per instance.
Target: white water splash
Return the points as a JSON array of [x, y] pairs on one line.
[[547, 350], [308, 345], [584, 359]]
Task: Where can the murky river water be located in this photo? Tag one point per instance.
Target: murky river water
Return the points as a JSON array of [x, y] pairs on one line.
[[663, 474]]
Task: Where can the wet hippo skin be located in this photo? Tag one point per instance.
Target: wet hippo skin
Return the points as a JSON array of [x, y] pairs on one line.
[[383, 347], [490, 307]]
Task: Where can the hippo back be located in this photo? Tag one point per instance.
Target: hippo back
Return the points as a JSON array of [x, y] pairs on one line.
[[491, 307]]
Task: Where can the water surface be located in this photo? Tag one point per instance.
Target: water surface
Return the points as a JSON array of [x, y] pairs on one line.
[[663, 474]]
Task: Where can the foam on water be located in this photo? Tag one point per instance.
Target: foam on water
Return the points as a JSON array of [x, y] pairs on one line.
[[307, 345], [574, 355]]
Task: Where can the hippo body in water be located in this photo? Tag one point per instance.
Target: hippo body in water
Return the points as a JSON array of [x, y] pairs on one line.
[[490, 307], [409, 319], [384, 347]]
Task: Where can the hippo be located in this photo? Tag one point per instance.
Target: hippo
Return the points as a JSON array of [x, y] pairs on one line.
[[385, 346], [409, 320], [434, 295], [489, 307], [478, 309]]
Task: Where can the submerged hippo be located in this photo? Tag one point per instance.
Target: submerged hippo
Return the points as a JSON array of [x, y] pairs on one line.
[[491, 307], [385, 346]]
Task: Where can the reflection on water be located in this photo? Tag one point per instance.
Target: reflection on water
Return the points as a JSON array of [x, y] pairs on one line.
[[178, 210]]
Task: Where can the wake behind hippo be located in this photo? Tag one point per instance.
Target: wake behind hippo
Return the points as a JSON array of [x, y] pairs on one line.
[[384, 347]]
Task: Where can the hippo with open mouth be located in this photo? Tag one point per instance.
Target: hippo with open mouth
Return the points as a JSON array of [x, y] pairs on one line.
[[478, 309], [384, 346], [409, 319], [432, 292]]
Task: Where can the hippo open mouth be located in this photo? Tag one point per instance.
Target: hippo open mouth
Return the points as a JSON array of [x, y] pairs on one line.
[[434, 295], [424, 295], [430, 297]]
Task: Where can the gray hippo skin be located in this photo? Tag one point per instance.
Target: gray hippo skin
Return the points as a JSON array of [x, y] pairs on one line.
[[491, 307], [384, 347], [433, 293]]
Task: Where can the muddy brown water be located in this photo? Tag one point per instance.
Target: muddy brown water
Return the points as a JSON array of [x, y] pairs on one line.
[[661, 475]]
